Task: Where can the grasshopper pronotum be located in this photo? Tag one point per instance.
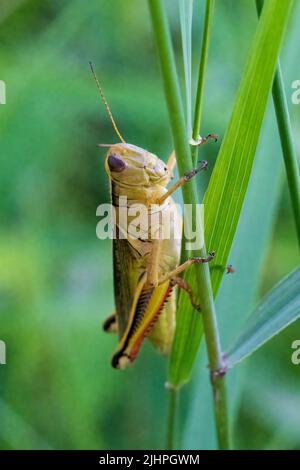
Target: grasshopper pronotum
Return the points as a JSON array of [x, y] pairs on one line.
[[146, 271]]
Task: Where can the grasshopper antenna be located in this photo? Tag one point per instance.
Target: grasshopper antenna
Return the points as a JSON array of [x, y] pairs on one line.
[[106, 104]]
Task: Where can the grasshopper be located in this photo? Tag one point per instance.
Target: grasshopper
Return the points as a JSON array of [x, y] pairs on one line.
[[146, 271]]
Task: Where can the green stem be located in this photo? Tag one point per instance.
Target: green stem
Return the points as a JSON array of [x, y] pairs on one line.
[[202, 70], [173, 396], [184, 160], [286, 139], [186, 20]]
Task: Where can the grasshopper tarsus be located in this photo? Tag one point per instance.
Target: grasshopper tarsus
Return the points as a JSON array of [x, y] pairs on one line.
[[203, 164], [211, 137], [202, 140], [189, 174], [206, 259]]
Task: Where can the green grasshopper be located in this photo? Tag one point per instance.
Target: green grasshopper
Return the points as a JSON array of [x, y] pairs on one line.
[[146, 271]]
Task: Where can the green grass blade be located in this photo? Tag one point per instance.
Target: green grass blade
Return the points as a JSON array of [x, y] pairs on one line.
[[228, 184], [279, 308], [288, 148], [286, 138]]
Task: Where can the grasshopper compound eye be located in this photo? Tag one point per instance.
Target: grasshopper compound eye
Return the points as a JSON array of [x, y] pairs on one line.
[[115, 164]]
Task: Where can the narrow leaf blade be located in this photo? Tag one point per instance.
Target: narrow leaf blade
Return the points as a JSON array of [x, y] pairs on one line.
[[277, 310]]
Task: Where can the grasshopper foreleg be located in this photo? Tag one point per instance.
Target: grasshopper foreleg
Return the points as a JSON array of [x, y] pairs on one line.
[[184, 179], [182, 267]]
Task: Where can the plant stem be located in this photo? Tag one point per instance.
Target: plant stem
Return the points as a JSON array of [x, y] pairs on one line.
[[286, 139], [184, 160], [202, 70], [186, 20], [173, 396]]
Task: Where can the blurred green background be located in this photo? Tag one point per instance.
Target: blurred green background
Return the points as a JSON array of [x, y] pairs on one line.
[[57, 389]]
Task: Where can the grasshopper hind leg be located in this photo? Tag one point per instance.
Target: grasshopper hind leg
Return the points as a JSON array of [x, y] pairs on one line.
[[110, 325]]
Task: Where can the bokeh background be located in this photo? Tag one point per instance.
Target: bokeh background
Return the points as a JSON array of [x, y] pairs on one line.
[[57, 389]]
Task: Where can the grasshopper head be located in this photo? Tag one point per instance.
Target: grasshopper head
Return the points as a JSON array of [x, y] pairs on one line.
[[129, 165]]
